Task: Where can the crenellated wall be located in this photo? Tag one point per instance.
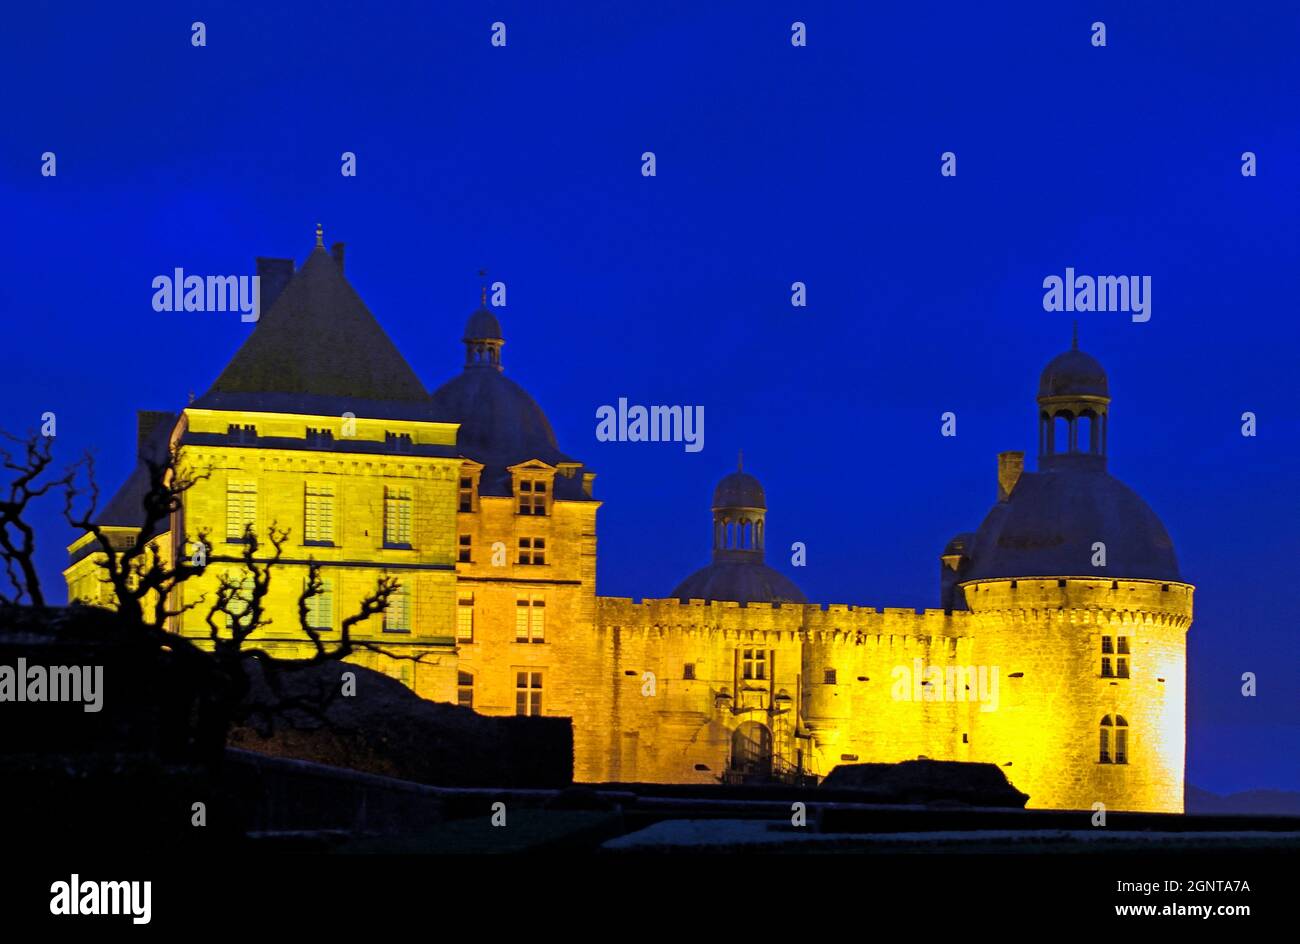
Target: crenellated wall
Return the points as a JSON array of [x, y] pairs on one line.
[[1016, 680]]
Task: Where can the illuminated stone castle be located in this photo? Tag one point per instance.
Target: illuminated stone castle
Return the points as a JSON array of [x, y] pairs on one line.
[[1059, 652]]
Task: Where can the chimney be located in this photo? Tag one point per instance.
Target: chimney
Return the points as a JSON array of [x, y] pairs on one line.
[[337, 252], [146, 421], [1010, 465], [275, 275]]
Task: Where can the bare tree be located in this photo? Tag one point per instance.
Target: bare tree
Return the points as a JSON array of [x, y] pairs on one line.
[[145, 584], [17, 538]]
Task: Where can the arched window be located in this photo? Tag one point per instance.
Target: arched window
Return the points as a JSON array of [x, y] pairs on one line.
[[1114, 740]]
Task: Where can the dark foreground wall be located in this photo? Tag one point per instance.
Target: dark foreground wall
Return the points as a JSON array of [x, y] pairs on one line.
[[384, 728], [273, 794]]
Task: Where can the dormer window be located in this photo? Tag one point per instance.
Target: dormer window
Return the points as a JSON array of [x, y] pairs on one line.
[[532, 496], [397, 442], [466, 493], [245, 434]]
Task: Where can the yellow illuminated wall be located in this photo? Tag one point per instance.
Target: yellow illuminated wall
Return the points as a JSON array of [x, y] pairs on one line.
[[658, 688], [353, 555]]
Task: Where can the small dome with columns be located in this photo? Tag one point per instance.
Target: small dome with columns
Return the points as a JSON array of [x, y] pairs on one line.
[[1073, 410], [738, 573]]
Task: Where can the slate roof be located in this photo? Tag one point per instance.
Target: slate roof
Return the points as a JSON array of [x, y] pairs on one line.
[[740, 582], [317, 345], [126, 508], [1049, 524]]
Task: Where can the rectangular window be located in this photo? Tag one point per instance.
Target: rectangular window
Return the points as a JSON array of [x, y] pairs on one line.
[[754, 663], [239, 603], [318, 514], [1105, 746], [465, 549], [1121, 667], [465, 617], [1105, 645], [320, 607], [1121, 745], [465, 689], [532, 550], [532, 497], [688, 670], [528, 693], [241, 510], [530, 617], [1106, 671], [466, 493], [1123, 645], [397, 516], [829, 677], [397, 617]]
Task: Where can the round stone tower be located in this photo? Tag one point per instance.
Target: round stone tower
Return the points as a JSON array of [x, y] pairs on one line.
[[1077, 602]]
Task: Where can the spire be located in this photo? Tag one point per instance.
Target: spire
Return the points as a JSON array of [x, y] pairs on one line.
[[320, 235], [740, 461], [482, 298]]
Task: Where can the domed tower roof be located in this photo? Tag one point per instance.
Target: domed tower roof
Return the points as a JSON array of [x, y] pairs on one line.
[[1049, 523], [501, 425], [483, 326], [738, 572], [739, 490], [1072, 374]]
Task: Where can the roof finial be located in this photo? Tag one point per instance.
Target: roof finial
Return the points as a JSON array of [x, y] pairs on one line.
[[740, 461], [1074, 346], [482, 298], [320, 235]]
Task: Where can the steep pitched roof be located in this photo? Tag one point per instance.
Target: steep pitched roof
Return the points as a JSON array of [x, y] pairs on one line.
[[317, 344]]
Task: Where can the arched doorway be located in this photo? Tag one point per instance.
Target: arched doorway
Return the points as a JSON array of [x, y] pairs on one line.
[[751, 751]]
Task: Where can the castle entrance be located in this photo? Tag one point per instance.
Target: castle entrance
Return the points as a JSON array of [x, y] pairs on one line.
[[751, 752]]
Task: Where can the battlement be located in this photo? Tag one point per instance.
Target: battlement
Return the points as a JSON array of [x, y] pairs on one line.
[[1104, 599], [829, 621]]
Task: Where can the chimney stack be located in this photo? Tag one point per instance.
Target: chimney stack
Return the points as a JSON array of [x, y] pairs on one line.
[[274, 275], [1010, 465], [337, 252]]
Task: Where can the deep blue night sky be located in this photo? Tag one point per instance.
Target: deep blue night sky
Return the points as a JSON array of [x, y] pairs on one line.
[[775, 164]]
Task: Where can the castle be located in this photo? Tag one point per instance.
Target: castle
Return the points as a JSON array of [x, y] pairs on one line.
[[1058, 653]]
